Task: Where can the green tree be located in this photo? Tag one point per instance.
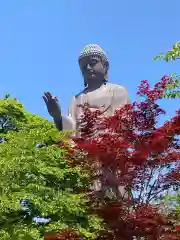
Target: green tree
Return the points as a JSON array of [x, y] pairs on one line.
[[172, 54], [173, 88], [36, 180]]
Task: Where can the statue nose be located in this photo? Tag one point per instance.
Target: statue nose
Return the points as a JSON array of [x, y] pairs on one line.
[[89, 67]]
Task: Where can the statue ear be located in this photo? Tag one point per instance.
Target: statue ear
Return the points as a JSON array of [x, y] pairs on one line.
[[106, 74], [106, 67], [85, 83], [106, 77]]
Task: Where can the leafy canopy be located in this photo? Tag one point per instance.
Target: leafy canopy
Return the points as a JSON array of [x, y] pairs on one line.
[[35, 170]]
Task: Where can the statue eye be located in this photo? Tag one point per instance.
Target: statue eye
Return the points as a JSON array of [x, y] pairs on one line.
[[93, 61]]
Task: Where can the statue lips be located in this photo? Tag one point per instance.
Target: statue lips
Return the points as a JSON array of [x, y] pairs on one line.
[[90, 73]]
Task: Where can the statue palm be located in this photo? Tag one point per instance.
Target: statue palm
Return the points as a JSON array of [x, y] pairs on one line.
[[52, 104]]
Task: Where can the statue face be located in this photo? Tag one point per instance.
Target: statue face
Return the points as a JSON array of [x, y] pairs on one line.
[[92, 69]]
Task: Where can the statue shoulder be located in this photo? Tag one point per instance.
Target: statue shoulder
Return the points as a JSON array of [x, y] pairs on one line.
[[117, 87], [120, 92], [79, 94]]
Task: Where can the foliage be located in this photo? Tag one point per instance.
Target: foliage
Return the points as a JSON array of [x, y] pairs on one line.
[[172, 54], [33, 169], [172, 203], [173, 87], [172, 91], [146, 161]]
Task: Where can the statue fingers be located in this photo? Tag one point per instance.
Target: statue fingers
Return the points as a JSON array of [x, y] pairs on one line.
[[45, 100], [48, 95]]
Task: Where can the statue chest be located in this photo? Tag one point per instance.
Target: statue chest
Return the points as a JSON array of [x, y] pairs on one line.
[[98, 98], [101, 99]]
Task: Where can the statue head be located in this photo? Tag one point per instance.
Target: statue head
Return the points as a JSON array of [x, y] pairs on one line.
[[94, 64]]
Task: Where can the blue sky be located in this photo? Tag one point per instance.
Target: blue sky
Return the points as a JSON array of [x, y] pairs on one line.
[[40, 42]]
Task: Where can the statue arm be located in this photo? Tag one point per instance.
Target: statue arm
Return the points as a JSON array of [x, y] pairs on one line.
[[120, 97], [58, 123]]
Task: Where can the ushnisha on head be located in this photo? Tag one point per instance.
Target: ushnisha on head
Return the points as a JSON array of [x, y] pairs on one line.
[[94, 64]]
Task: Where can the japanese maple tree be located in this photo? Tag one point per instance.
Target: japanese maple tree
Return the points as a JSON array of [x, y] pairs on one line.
[[146, 160]]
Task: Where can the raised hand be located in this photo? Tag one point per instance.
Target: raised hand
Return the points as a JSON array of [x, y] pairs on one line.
[[52, 104]]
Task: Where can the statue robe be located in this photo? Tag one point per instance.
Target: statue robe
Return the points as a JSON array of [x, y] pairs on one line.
[[108, 98]]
